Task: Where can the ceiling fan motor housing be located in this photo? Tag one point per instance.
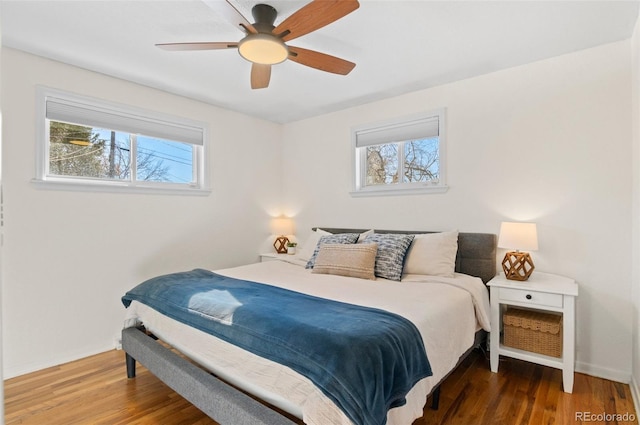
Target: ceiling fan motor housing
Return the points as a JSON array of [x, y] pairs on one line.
[[265, 17]]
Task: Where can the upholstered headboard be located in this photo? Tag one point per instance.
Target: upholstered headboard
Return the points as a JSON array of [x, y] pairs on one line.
[[476, 251]]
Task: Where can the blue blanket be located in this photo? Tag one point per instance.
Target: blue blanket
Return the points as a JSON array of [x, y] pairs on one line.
[[364, 359]]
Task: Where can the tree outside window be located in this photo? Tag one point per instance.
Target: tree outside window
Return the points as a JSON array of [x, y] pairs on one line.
[[400, 156], [406, 162], [80, 151]]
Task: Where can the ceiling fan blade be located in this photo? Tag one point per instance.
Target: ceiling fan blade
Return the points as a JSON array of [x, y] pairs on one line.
[[197, 46], [313, 16], [320, 61], [231, 14], [260, 76]]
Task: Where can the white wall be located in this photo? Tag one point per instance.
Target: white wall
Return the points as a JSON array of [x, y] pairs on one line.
[[548, 142], [1, 256], [635, 57], [70, 256]]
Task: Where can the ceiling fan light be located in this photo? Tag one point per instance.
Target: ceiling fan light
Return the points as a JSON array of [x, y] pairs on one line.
[[263, 48]]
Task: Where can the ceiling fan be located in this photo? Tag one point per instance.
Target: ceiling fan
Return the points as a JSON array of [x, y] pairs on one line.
[[264, 44]]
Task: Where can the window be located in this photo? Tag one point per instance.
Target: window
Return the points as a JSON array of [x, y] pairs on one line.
[[94, 145], [400, 156]]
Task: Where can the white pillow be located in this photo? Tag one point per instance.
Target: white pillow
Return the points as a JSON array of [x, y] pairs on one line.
[[432, 254], [364, 235], [309, 246]]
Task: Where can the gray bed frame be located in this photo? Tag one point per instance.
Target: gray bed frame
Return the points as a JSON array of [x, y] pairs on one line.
[[229, 406]]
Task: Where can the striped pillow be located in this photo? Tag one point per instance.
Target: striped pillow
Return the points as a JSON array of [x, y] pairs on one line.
[[391, 251], [353, 260]]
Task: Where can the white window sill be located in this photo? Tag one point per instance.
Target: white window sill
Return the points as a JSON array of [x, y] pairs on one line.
[[396, 191], [116, 187]]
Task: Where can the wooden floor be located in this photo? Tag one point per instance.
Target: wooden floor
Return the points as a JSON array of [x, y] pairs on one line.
[[96, 391]]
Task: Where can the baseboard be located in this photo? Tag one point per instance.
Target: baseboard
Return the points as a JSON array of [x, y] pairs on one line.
[[635, 393], [603, 372]]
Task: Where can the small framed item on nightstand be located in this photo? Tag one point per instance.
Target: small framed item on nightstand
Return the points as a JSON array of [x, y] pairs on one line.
[[546, 302]]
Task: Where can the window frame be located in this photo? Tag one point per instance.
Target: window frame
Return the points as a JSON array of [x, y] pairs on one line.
[[43, 179], [394, 127]]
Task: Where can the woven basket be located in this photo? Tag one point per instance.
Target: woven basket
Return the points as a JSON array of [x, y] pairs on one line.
[[533, 331]]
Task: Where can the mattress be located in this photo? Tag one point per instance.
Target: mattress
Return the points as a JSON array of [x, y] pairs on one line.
[[446, 311]]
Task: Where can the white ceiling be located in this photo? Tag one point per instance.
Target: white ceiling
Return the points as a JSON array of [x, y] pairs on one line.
[[398, 46]]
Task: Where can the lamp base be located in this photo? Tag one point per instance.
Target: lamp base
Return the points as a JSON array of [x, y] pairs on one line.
[[517, 265], [281, 244]]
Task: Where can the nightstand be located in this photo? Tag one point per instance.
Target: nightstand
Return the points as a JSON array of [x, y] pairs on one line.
[[542, 292], [271, 256]]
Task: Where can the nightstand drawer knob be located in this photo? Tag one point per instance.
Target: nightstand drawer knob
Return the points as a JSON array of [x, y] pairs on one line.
[[528, 296]]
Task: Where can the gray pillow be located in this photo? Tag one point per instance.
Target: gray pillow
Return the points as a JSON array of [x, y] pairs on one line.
[[392, 249], [340, 238]]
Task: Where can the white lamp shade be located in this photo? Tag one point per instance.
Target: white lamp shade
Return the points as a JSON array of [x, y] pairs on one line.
[[282, 226], [518, 236]]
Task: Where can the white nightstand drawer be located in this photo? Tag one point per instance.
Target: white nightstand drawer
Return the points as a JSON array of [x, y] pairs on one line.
[[531, 297]]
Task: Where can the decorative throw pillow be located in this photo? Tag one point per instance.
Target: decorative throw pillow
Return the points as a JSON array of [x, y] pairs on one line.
[[340, 238], [391, 251], [353, 260], [433, 254]]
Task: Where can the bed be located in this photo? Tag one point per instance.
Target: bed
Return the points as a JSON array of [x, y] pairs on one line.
[[219, 375]]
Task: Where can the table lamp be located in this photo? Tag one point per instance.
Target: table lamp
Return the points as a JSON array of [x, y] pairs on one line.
[[517, 265], [281, 226]]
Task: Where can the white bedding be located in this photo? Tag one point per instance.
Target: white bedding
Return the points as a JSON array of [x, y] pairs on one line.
[[446, 311]]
